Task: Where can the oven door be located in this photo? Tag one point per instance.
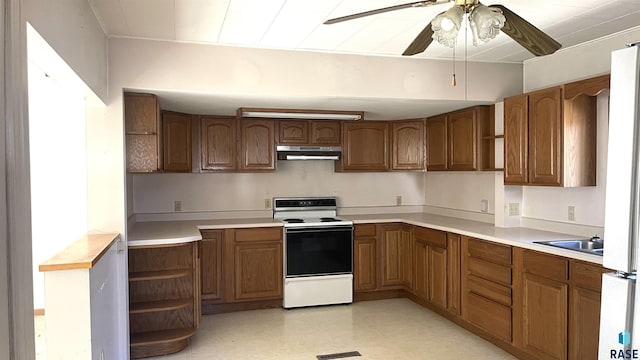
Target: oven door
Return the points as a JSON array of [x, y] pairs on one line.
[[318, 251]]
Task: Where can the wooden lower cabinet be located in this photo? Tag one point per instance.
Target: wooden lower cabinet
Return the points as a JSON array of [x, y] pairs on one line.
[[584, 324], [258, 271], [396, 256], [211, 265], [453, 273], [486, 299], [164, 298], [544, 322], [364, 258], [431, 266], [560, 302], [257, 264]]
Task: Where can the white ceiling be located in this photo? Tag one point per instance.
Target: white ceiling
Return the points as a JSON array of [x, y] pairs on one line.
[[297, 24]]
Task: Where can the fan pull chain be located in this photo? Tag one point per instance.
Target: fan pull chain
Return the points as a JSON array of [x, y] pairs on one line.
[[466, 77], [453, 78]]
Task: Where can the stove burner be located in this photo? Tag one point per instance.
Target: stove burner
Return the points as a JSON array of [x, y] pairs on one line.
[[328, 219], [293, 221]]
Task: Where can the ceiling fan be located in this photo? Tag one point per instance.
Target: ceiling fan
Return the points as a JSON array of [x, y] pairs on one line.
[[485, 22]]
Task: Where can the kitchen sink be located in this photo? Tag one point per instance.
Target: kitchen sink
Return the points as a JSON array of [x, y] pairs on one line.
[[591, 246]]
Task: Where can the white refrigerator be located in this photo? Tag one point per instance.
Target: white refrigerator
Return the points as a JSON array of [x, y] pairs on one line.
[[619, 332]]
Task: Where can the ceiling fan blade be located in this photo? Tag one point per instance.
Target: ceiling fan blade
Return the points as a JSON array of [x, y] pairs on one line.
[[527, 35], [379, 11], [421, 42]]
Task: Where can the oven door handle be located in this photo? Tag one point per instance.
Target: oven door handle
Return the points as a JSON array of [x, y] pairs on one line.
[[318, 228]]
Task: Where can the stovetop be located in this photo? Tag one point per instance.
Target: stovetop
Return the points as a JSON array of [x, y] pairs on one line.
[[308, 212]]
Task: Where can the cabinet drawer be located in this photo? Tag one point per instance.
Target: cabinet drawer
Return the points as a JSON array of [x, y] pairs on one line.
[[431, 237], [490, 290], [364, 230], [490, 316], [489, 271], [259, 234], [549, 266], [211, 234], [586, 275], [482, 249]]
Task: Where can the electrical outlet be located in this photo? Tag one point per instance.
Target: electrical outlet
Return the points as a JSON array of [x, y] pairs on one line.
[[267, 203], [484, 205], [398, 200], [177, 205], [571, 213], [514, 209]]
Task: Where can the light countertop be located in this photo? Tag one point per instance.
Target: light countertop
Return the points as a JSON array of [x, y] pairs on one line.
[[168, 232]]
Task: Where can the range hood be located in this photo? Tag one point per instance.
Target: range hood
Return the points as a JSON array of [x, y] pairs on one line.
[[286, 152]]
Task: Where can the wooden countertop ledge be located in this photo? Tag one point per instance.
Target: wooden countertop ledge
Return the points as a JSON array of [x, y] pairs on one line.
[[81, 254]]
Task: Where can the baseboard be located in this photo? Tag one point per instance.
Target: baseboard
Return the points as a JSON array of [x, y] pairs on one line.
[[38, 312], [379, 295], [215, 307]]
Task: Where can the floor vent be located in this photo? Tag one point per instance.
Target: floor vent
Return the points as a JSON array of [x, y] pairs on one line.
[[338, 355]]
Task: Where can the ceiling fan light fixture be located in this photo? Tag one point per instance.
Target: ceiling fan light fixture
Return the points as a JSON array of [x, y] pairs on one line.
[[446, 26], [485, 23]]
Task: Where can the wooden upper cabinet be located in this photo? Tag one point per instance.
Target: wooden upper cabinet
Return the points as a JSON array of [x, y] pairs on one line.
[[365, 146], [176, 134], [257, 145], [295, 132], [408, 145], [550, 135], [463, 140], [218, 143], [141, 113], [142, 132], [545, 135], [437, 143], [516, 140], [309, 132], [453, 139], [325, 132]]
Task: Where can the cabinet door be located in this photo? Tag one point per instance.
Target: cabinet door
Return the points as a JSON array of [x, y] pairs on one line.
[[257, 145], [141, 114], [453, 273], [293, 132], [176, 134], [364, 269], [545, 304], [397, 256], [408, 139], [365, 146], [516, 140], [421, 266], [218, 143], [143, 132], [463, 140], [545, 136], [584, 324], [437, 143], [325, 133], [258, 270], [438, 276], [211, 265]]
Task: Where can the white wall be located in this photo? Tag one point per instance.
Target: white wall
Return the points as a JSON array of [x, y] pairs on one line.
[[459, 191], [58, 170], [160, 65], [576, 62], [156, 193], [71, 28]]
